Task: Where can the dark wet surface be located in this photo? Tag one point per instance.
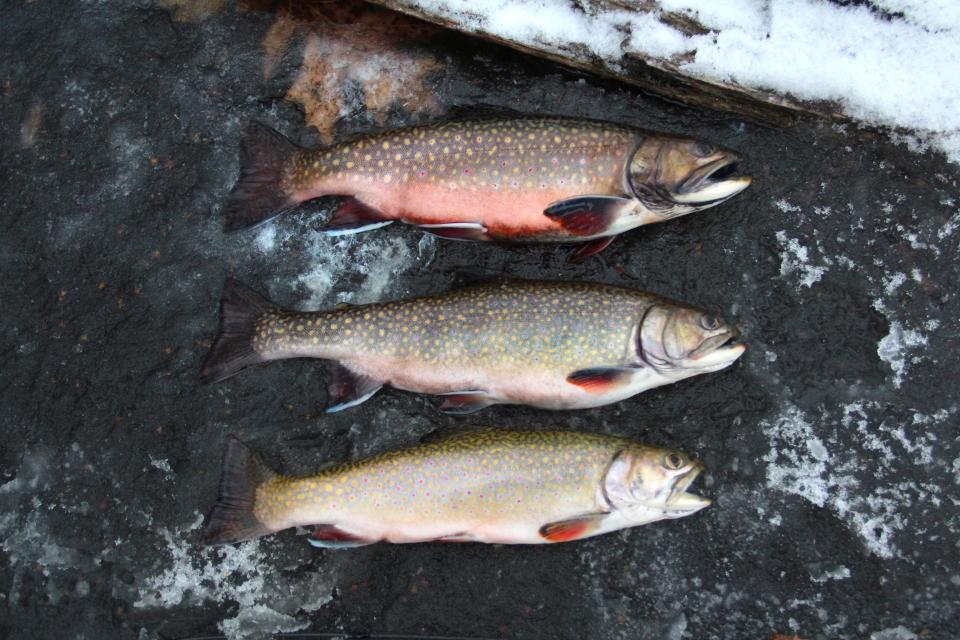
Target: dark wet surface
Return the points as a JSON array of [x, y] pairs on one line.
[[831, 446]]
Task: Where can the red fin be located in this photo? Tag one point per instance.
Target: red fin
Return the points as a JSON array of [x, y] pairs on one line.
[[457, 230], [328, 536], [347, 389], [257, 195], [586, 215], [588, 249], [464, 402], [601, 379], [353, 216], [572, 529]]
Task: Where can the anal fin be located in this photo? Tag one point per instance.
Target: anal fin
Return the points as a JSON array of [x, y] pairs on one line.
[[457, 230], [465, 402], [353, 216], [601, 380], [587, 215], [347, 389], [588, 249], [573, 528], [328, 536]]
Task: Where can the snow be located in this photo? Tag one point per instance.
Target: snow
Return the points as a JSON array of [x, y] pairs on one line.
[[809, 49]]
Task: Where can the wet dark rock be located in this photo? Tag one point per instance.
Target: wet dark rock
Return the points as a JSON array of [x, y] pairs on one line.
[[831, 445]]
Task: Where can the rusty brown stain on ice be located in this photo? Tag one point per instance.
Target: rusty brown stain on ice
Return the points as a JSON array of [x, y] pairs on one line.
[[31, 125], [349, 45]]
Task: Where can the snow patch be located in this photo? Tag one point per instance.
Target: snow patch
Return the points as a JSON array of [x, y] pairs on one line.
[[811, 49]]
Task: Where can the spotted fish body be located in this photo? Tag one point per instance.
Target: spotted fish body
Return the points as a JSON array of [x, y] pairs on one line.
[[500, 173], [483, 485], [550, 345], [519, 179]]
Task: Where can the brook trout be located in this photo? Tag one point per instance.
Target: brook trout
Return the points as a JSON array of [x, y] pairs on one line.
[[518, 180], [507, 487], [553, 345]]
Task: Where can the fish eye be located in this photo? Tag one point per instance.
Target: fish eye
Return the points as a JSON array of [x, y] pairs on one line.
[[710, 323], [702, 149], [674, 461]]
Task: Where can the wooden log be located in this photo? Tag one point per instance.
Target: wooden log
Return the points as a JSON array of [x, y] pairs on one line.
[[658, 76]]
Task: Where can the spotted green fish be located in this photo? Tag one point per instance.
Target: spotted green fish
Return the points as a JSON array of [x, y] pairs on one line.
[[555, 345], [483, 485], [520, 179]]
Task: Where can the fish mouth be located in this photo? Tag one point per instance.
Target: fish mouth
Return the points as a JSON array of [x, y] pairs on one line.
[[718, 352], [713, 182], [679, 502]]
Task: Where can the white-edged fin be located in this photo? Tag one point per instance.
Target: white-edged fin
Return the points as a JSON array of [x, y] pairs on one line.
[[336, 544], [347, 389], [348, 232], [457, 230], [464, 402]]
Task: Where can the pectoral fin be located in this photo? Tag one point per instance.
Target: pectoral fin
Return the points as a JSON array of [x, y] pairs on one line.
[[588, 249], [601, 380], [464, 402], [328, 536], [572, 529], [457, 230], [587, 215], [347, 389]]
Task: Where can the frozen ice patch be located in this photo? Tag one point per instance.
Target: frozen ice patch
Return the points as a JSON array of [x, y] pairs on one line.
[[795, 258], [894, 349], [805, 461], [240, 573]]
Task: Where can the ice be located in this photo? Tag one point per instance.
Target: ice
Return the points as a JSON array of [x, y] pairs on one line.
[[894, 633], [810, 49], [806, 462], [894, 349], [795, 258], [242, 573]]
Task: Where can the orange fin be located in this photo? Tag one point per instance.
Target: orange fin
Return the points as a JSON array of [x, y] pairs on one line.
[[588, 249], [601, 379], [572, 529]]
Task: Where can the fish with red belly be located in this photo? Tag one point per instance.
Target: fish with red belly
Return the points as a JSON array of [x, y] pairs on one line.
[[514, 180], [554, 345], [483, 485]]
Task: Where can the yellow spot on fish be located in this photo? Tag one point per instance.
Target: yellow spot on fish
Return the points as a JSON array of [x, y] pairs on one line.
[[386, 145]]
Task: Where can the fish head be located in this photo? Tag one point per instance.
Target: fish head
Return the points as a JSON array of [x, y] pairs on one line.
[[653, 481], [679, 342], [672, 177]]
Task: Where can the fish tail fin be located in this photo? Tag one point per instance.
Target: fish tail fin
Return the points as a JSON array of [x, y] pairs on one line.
[[258, 194], [240, 309], [232, 518]]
